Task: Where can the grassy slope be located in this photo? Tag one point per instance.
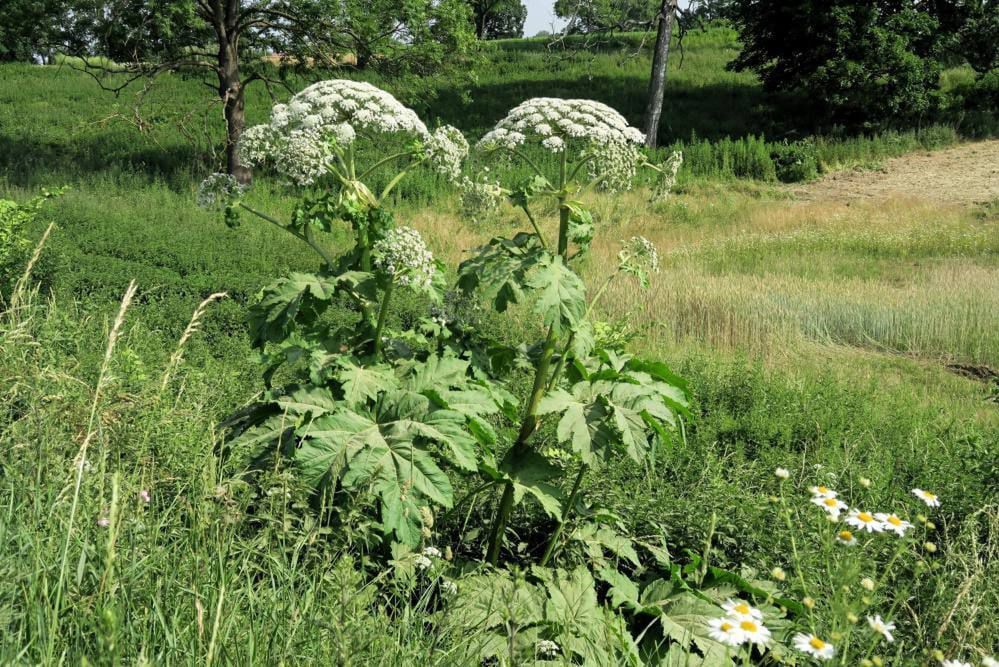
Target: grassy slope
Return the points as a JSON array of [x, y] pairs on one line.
[[812, 334]]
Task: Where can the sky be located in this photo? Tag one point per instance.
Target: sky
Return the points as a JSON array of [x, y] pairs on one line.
[[540, 16]]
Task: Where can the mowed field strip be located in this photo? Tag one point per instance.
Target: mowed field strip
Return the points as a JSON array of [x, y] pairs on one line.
[[968, 173]]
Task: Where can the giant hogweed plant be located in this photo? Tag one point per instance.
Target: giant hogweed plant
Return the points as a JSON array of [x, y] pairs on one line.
[[378, 422]]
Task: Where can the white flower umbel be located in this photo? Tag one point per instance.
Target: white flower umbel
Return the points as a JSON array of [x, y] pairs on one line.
[[329, 105], [667, 176], [864, 521], [546, 648], [445, 150], [884, 629], [219, 191], [422, 562], [927, 497], [641, 249], [599, 133], [813, 646], [480, 198], [404, 256], [432, 552]]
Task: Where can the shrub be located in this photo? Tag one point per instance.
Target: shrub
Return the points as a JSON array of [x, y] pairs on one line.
[[795, 162]]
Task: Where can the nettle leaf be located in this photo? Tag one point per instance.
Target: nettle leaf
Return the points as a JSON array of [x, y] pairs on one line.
[[363, 383], [562, 298], [500, 268]]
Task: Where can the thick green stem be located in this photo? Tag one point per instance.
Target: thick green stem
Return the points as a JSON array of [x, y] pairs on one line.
[[566, 512], [307, 237], [382, 316], [541, 381]]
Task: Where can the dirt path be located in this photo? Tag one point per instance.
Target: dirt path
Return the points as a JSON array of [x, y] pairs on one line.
[[966, 174]]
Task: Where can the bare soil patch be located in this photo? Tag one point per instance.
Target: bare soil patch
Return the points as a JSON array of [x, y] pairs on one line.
[[965, 174]]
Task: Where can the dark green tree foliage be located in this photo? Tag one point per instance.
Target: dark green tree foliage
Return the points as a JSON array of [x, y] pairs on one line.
[[972, 31], [585, 16], [859, 62], [499, 19], [26, 28]]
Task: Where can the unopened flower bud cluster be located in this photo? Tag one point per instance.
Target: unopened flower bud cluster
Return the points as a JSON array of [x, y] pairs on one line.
[[404, 256]]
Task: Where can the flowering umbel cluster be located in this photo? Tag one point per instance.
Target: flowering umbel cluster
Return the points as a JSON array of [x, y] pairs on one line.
[[303, 137], [219, 191], [607, 141], [404, 256]]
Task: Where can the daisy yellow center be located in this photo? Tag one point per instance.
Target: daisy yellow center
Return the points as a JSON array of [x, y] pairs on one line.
[[748, 626], [822, 489], [929, 496], [894, 520], [726, 626], [816, 643], [866, 517], [830, 502], [741, 608], [845, 535]]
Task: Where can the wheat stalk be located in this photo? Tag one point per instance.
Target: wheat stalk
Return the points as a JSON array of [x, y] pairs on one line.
[[22, 283]]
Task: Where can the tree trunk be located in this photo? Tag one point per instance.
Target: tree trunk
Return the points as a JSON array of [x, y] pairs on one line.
[[231, 92], [657, 81]]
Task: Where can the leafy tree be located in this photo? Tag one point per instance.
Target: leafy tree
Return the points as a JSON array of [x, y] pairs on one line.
[[972, 31], [228, 39], [499, 19], [586, 16], [27, 28], [858, 61]]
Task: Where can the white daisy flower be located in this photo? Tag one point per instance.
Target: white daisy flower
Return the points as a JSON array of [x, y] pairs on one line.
[[893, 523], [846, 537], [881, 627], [725, 631], [822, 492], [739, 609], [927, 497], [814, 646], [831, 505], [864, 521], [954, 663], [753, 631], [989, 661], [782, 473]]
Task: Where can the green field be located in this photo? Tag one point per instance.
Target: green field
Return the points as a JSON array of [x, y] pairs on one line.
[[818, 336]]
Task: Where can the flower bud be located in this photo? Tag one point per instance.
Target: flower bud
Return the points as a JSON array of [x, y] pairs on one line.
[[930, 547], [808, 602], [778, 574], [867, 583]]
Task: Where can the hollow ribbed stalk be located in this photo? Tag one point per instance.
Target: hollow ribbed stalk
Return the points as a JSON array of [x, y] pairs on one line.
[[382, 316], [566, 512], [530, 422]]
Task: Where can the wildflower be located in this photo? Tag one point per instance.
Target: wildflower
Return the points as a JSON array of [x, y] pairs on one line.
[[432, 552], [881, 627], [831, 505], [446, 149], [104, 522], [144, 496], [867, 583], [930, 547], [422, 562], [546, 648], [782, 473], [989, 661], [739, 610], [404, 256], [667, 176], [726, 631], [219, 191], [808, 602], [643, 251], [864, 482], [846, 537], [930, 499], [753, 631], [851, 617], [893, 523], [814, 646], [822, 492], [778, 574], [864, 521], [480, 197]]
